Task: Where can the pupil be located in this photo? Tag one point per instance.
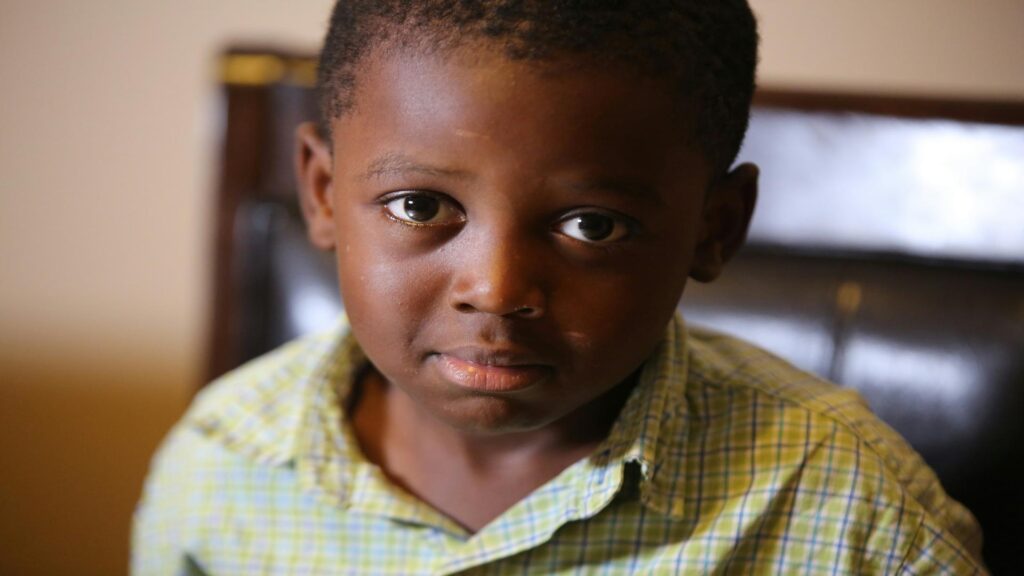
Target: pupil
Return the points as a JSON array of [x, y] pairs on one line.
[[421, 208], [595, 227]]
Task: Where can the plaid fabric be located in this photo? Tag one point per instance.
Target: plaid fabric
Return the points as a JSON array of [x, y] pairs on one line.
[[724, 460]]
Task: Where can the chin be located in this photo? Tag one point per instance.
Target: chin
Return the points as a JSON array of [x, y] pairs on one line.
[[491, 415]]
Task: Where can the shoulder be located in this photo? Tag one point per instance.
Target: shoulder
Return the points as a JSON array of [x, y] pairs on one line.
[[727, 374], [247, 418], [256, 409], [250, 413], [231, 442], [722, 364], [773, 429]]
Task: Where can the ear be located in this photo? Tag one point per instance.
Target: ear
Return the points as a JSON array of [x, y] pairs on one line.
[[727, 212], [314, 171]]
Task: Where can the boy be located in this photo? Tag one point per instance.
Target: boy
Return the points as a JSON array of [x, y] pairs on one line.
[[516, 193]]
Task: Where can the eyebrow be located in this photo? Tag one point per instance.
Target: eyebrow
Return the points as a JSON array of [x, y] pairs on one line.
[[397, 164], [621, 186]]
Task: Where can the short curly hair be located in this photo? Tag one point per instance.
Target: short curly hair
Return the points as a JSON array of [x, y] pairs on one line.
[[705, 49]]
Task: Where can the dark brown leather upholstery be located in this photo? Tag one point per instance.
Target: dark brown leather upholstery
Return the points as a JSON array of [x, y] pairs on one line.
[[887, 254]]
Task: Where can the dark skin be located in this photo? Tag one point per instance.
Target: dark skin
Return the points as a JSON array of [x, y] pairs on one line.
[[512, 239]]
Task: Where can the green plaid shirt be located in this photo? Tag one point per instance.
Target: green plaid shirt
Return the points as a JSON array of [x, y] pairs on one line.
[[724, 460]]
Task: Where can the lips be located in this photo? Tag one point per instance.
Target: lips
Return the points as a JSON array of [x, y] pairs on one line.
[[494, 371]]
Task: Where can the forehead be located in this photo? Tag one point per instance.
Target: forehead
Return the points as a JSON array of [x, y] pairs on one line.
[[553, 114]]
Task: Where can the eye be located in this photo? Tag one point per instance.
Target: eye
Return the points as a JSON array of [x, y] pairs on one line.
[[594, 227], [424, 209]]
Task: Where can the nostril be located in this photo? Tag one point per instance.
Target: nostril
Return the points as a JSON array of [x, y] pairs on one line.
[[497, 287], [464, 307], [519, 311], [528, 312]]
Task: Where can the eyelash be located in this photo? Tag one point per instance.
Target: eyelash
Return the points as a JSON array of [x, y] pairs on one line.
[[623, 226], [443, 201], [627, 226]]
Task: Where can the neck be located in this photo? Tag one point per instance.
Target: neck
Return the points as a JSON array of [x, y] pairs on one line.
[[390, 424], [472, 477]]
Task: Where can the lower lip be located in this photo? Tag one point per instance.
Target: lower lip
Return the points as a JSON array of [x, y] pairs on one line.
[[487, 378]]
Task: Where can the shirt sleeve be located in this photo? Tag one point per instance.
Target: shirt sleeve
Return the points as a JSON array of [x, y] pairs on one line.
[[164, 525]]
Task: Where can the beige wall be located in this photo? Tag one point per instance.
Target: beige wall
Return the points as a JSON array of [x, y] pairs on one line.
[[108, 120], [107, 139], [945, 47]]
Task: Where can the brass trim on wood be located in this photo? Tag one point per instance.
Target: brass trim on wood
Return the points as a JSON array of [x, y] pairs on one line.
[[238, 69]]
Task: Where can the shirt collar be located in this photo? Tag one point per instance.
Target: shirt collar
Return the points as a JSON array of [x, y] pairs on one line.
[[292, 415], [650, 432]]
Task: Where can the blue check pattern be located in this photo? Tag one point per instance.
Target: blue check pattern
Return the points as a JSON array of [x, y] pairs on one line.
[[724, 460]]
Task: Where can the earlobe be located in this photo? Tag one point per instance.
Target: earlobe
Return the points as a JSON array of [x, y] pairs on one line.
[[727, 213], [314, 173]]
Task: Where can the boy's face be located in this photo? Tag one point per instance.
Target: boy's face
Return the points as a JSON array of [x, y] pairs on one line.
[[513, 238]]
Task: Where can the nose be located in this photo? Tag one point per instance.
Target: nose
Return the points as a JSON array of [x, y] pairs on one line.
[[500, 276]]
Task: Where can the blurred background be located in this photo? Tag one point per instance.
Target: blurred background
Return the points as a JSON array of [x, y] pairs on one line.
[[109, 123]]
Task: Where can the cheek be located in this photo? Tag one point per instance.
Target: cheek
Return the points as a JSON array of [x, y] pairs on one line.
[[624, 314], [388, 298], [624, 310]]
